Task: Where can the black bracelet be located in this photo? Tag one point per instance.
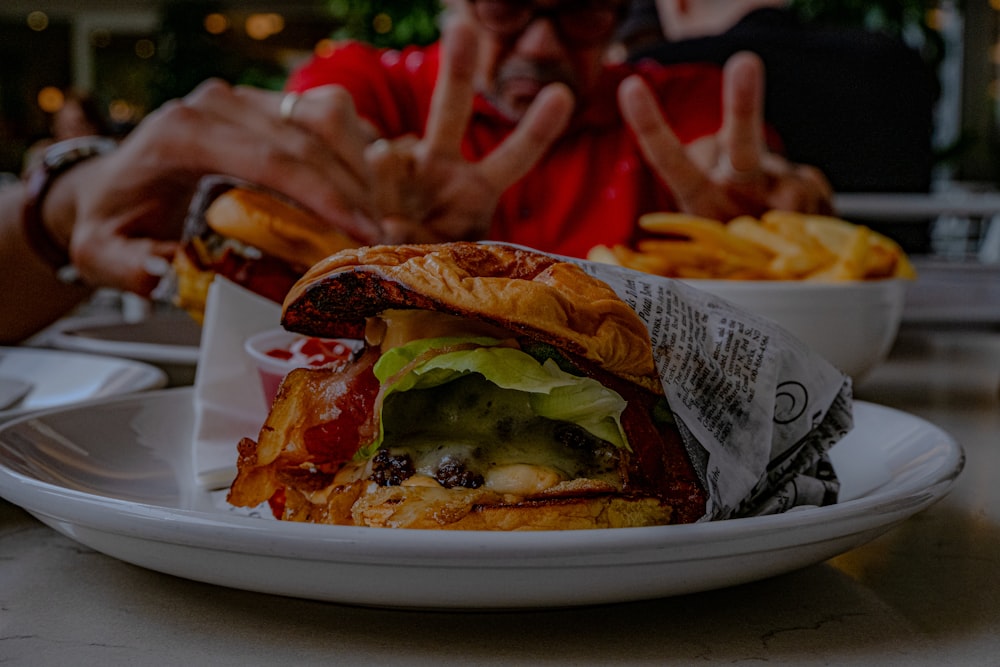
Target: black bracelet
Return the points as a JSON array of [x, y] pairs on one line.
[[57, 159]]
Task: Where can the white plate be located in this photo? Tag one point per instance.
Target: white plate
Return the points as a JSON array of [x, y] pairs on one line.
[[168, 338], [117, 476], [61, 378]]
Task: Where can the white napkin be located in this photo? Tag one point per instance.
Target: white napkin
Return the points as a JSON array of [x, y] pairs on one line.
[[229, 401]]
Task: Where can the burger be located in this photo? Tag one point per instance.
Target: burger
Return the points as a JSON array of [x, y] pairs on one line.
[[254, 238], [497, 389]]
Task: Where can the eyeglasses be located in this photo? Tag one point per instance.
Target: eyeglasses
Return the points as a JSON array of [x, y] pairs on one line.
[[578, 23]]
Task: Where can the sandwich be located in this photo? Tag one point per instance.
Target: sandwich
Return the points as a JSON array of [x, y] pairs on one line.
[[497, 389], [255, 239]]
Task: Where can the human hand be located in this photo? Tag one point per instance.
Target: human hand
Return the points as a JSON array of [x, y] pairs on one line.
[[425, 189], [127, 208], [124, 212], [732, 172]]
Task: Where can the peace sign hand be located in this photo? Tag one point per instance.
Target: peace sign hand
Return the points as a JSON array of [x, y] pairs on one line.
[[732, 172], [425, 189]]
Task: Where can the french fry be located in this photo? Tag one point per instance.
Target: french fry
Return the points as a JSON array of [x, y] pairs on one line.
[[835, 235], [780, 245], [795, 227], [691, 256], [751, 230], [905, 269], [902, 267], [663, 223], [789, 259], [643, 261], [603, 255], [880, 262], [702, 230], [850, 263], [794, 267]]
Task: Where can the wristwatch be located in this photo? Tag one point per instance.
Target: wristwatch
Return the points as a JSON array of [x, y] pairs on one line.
[[57, 159]]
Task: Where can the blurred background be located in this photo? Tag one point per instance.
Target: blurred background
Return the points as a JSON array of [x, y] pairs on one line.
[[131, 56]]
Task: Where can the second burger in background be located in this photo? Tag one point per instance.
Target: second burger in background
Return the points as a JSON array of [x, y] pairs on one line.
[[255, 239]]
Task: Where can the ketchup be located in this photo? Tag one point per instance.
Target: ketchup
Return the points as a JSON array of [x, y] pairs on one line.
[[312, 352]]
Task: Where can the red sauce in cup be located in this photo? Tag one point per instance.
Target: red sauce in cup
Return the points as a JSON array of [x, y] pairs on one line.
[[303, 353], [312, 352]]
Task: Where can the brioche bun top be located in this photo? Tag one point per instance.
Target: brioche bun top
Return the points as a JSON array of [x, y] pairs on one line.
[[530, 294], [273, 226]]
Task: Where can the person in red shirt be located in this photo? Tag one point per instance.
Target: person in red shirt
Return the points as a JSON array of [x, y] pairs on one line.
[[512, 128], [608, 166]]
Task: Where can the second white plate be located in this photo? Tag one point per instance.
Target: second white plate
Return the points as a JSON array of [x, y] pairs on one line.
[[168, 338], [58, 378]]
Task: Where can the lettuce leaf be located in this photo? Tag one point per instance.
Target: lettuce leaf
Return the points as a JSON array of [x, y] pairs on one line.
[[552, 392]]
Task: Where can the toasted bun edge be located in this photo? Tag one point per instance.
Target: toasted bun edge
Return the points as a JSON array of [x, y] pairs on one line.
[[407, 507], [527, 292], [274, 226]]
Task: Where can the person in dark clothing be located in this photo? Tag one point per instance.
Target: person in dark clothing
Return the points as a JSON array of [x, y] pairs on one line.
[[857, 104]]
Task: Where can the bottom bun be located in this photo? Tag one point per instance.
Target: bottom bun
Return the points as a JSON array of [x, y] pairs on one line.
[[425, 507]]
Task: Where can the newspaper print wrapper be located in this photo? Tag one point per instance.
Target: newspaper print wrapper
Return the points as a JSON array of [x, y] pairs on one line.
[[229, 401], [757, 409]]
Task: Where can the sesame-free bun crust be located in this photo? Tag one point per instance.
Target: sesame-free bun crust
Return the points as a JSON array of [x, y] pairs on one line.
[[529, 293], [364, 504], [274, 226], [289, 239]]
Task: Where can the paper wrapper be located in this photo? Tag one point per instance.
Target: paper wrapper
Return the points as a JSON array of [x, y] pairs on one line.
[[757, 409], [229, 398]]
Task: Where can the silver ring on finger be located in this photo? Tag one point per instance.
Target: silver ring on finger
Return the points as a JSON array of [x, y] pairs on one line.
[[287, 106]]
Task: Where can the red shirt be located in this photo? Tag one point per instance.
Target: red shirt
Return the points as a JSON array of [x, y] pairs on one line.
[[588, 189]]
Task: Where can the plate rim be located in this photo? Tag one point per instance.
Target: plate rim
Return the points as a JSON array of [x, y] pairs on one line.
[[902, 503]]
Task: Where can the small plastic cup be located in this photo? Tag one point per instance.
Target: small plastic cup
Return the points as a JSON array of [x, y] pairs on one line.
[[276, 352]]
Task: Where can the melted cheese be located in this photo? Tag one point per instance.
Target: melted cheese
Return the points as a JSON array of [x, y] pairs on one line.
[[398, 327], [522, 479], [473, 423], [493, 433]]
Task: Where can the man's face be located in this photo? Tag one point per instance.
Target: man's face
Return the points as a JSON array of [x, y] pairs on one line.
[[527, 45]]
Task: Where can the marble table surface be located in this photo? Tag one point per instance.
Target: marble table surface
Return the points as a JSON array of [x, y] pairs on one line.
[[925, 593]]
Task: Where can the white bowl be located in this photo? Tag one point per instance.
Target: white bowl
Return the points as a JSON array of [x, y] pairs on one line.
[[852, 324]]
